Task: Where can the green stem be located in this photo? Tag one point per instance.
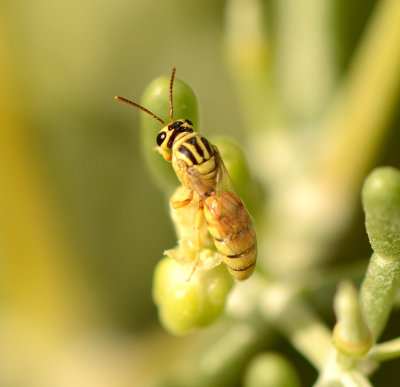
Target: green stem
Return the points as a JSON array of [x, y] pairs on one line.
[[386, 351], [293, 317], [381, 202], [248, 57], [351, 335], [365, 100], [378, 291], [304, 56]]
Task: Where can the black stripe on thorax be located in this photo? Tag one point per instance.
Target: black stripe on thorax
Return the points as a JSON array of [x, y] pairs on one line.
[[186, 152], [175, 133], [194, 142], [208, 146]]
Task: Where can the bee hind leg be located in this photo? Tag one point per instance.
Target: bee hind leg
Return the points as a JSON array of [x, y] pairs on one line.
[[199, 215]]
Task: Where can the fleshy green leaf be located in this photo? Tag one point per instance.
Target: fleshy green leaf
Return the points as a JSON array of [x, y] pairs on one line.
[[381, 199]]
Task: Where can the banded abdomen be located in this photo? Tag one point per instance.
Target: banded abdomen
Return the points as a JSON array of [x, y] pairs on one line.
[[233, 232]]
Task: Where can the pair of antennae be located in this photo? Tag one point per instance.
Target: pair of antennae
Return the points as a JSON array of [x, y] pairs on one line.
[[171, 111]]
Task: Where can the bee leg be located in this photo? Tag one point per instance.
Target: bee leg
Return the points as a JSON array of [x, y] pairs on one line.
[[199, 215], [182, 203], [163, 153]]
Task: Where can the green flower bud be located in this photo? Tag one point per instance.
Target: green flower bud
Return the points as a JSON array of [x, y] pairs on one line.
[[381, 200], [156, 99], [236, 163], [185, 305], [271, 370], [351, 335]]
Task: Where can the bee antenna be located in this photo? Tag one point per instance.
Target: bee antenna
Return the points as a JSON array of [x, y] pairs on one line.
[[171, 84], [140, 108]]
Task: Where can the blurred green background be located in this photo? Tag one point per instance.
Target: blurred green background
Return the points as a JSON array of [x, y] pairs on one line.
[[66, 63], [81, 224]]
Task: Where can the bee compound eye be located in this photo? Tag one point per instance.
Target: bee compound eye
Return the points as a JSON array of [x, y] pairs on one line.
[[161, 137]]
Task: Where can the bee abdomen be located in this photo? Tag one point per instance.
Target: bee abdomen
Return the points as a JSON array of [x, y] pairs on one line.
[[233, 232], [239, 252], [244, 267]]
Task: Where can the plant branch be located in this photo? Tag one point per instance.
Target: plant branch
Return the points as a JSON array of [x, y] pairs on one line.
[[364, 102]]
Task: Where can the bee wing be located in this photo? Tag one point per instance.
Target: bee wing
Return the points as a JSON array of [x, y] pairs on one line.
[[225, 210], [222, 182]]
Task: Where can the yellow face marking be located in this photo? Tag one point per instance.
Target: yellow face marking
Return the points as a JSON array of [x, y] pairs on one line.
[[168, 136]]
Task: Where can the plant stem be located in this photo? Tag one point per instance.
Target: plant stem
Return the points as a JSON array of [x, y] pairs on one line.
[[304, 56], [386, 351], [293, 317], [381, 202], [378, 291], [364, 102], [248, 56]]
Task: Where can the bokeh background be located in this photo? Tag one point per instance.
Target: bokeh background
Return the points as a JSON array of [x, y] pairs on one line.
[[81, 223]]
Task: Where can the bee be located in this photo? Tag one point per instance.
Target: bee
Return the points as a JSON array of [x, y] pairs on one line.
[[201, 170]]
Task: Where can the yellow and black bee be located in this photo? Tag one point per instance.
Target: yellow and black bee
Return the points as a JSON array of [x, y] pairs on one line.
[[200, 169]]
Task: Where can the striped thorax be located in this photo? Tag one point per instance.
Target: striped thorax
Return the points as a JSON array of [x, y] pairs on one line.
[[190, 154]]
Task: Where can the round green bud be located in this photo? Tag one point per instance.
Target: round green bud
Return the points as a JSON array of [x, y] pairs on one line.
[[270, 370], [187, 304], [381, 200], [156, 99]]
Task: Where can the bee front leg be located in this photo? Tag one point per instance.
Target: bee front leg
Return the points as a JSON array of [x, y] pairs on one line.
[[182, 203], [198, 218], [163, 153]]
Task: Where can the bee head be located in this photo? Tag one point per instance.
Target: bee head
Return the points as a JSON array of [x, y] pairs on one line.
[[167, 135]]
